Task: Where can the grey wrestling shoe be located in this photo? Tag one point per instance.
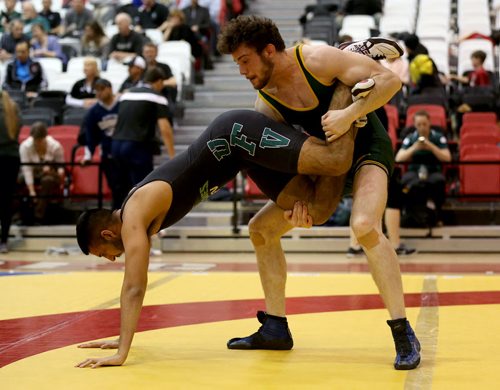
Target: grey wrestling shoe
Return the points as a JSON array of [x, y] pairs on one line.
[[360, 90], [376, 48], [273, 334]]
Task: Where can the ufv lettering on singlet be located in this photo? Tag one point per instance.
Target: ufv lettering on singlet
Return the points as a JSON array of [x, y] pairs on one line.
[[269, 139]]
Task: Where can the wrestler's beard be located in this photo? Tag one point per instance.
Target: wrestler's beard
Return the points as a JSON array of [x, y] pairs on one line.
[[267, 71]]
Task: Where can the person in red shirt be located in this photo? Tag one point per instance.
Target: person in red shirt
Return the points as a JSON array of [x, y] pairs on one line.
[[478, 77]]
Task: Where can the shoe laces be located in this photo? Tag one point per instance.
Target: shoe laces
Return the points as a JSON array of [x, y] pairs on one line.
[[402, 343]]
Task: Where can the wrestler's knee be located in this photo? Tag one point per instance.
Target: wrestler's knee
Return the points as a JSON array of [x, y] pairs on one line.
[[261, 231], [364, 226]]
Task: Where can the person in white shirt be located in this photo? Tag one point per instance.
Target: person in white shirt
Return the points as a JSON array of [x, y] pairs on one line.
[[41, 180]]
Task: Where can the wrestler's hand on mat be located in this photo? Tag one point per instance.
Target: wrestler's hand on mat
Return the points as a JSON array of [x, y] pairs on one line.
[[335, 124], [299, 216], [104, 344], [115, 360]]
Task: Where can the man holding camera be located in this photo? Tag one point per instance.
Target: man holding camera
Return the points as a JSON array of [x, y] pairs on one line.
[[425, 148]]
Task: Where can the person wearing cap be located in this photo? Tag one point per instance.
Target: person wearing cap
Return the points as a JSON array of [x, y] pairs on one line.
[[142, 109], [136, 68], [98, 126], [41, 180]]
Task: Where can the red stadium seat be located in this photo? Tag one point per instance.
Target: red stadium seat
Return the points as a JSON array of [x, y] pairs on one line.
[[437, 114], [471, 128], [24, 133], [480, 179], [55, 131], [480, 137], [252, 191], [84, 179], [466, 150], [67, 141], [479, 118]]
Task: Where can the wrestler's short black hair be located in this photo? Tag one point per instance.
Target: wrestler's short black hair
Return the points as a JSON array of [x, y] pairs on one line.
[[89, 225], [251, 30]]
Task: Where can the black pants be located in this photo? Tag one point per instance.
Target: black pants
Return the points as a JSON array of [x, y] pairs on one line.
[[431, 188], [10, 170]]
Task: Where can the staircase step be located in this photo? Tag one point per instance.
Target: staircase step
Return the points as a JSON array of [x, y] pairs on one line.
[[202, 116], [224, 83]]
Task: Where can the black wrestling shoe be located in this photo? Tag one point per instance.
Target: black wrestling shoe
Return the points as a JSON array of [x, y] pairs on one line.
[[403, 250], [406, 343], [273, 334], [376, 48], [353, 252]]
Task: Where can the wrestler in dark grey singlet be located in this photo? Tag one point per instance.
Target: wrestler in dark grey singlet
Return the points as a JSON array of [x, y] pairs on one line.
[[235, 140]]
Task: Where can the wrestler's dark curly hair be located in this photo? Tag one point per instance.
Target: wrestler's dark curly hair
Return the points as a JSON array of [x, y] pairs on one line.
[[254, 31]]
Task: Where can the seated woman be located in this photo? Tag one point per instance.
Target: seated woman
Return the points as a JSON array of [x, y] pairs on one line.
[[45, 45], [83, 93], [176, 29], [41, 180], [94, 41]]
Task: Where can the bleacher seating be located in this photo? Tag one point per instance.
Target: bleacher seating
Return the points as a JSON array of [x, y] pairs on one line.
[[479, 118], [436, 112], [480, 179], [84, 179]]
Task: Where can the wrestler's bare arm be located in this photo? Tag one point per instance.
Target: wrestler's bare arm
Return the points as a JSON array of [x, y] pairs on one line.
[[328, 63]]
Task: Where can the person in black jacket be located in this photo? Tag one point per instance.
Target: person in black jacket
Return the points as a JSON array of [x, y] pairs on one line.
[[24, 74]]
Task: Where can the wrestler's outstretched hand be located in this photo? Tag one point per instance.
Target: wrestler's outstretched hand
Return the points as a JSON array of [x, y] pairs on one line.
[[104, 344], [115, 360], [299, 216]]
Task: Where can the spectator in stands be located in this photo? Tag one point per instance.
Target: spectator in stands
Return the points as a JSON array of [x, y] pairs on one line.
[[8, 15], [104, 10], [176, 29], [413, 46], [134, 141], [98, 126], [24, 74], [44, 45], [126, 42], [94, 41], [215, 10], [478, 77], [42, 180], [10, 40], [150, 52], [10, 125], [425, 148], [198, 19], [151, 14], [83, 93], [423, 72], [136, 69], [30, 17], [76, 19], [54, 18]]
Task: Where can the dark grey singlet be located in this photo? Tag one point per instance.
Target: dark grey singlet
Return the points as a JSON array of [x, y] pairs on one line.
[[234, 141]]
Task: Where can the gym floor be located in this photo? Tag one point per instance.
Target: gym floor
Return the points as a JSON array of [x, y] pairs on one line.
[[50, 303]]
